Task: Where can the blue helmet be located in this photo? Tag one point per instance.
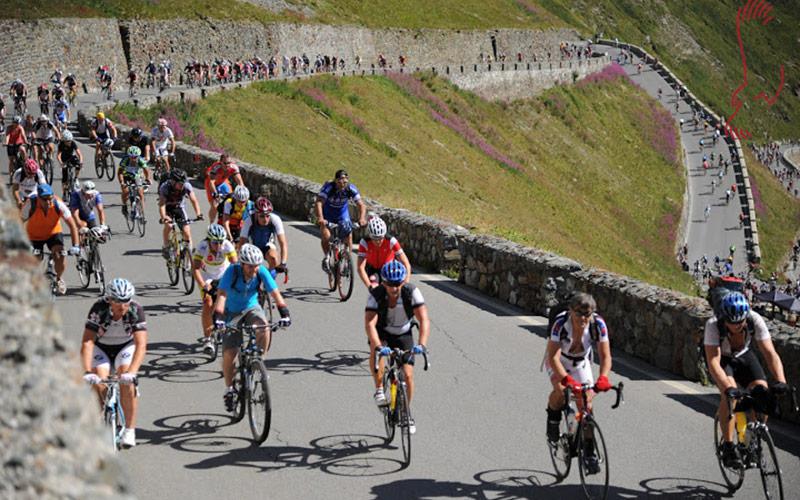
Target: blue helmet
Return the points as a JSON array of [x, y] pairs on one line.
[[44, 190], [735, 307], [393, 272]]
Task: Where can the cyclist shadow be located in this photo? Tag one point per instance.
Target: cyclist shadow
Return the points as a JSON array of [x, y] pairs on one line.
[[343, 363], [177, 427], [179, 363], [315, 295], [180, 307]]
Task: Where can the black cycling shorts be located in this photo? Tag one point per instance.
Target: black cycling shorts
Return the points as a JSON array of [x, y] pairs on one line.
[[177, 214], [53, 241], [404, 342], [744, 369]]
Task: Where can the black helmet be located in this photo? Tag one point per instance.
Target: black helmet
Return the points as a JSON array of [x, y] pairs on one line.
[[136, 132], [177, 175]]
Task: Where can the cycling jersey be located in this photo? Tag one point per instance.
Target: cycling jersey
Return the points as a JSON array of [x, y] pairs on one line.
[[85, 208], [172, 197], [141, 143], [237, 211], [44, 131], [68, 151], [60, 107], [41, 225], [335, 201], [562, 334], [101, 128], [134, 170], [15, 135], [214, 264], [397, 320], [115, 332], [240, 295], [27, 183], [220, 173], [161, 138], [378, 254], [711, 335], [261, 234]]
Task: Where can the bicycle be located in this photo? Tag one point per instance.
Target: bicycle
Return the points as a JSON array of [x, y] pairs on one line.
[[159, 166], [179, 259], [340, 263], [265, 299], [135, 218], [20, 106], [754, 445], [104, 160], [132, 89], [69, 179], [251, 381], [46, 155], [92, 264], [49, 269], [578, 429], [71, 95], [113, 414], [396, 412]]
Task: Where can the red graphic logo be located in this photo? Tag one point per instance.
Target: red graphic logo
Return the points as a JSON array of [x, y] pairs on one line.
[[754, 11]]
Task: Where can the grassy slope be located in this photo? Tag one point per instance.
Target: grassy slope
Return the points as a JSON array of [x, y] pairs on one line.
[[588, 185]]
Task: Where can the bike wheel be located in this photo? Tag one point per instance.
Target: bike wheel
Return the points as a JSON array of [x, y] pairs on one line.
[[733, 477], [560, 453], [259, 406], [404, 415], [331, 270], [768, 466], [241, 392], [139, 220], [66, 185], [130, 220], [84, 273], [389, 413], [173, 265], [110, 420], [109, 160], [99, 166], [47, 167], [99, 271], [595, 483], [345, 276], [186, 271]]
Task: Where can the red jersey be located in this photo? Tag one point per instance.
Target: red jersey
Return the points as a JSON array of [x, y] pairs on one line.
[[376, 254], [220, 173]]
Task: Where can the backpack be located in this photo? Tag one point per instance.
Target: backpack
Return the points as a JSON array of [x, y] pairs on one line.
[[381, 297], [237, 273]]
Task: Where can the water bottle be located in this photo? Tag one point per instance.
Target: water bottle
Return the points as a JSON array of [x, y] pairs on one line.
[[572, 424], [741, 426]]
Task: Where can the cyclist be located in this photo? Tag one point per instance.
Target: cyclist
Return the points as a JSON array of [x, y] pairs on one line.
[[57, 76], [140, 140], [332, 206], [210, 260], [58, 92], [2, 115], [150, 71], [106, 79], [237, 303], [260, 228], [390, 312], [132, 168], [218, 181], [731, 362], [568, 361], [43, 213], [162, 143], [171, 207], [61, 113], [116, 332], [132, 78], [236, 209], [20, 94], [376, 252], [43, 94], [71, 82], [25, 180], [101, 128], [69, 156], [15, 141], [83, 202], [45, 134]]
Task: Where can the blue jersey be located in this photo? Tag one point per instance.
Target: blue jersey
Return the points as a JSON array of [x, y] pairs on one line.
[[335, 201], [240, 295], [85, 207]]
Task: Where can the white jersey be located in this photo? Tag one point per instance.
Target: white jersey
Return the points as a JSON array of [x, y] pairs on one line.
[[44, 131], [213, 264], [562, 334], [711, 336], [397, 323], [27, 184], [161, 139]]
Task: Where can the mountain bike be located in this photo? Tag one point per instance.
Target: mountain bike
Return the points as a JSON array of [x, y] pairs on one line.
[[104, 160], [581, 437], [340, 262], [69, 179], [754, 445], [179, 258], [46, 156], [265, 299], [49, 269], [251, 381], [92, 264], [113, 414], [396, 412]]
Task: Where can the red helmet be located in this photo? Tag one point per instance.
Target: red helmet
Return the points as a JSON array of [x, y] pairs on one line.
[[31, 167], [263, 205]]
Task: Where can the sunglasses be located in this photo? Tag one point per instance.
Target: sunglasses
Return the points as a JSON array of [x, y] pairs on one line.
[[582, 314], [393, 283]]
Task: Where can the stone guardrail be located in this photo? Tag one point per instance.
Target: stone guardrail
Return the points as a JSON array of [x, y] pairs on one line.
[[734, 145], [51, 438]]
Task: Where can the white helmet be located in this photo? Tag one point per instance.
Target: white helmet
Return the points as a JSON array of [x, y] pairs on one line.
[[241, 194], [109, 143], [376, 228], [120, 290], [88, 187], [66, 136], [250, 254]]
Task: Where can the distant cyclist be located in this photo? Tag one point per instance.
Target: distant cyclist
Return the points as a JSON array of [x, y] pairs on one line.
[[25, 181], [171, 207], [45, 135], [140, 140], [83, 203], [132, 169], [15, 141], [101, 129], [218, 181], [332, 206], [162, 143], [235, 210], [377, 251], [264, 229], [210, 259], [69, 156]]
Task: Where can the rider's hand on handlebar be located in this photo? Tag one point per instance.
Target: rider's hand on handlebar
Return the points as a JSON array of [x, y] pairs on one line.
[[75, 250], [780, 388], [219, 325], [285, 320], [91, 378], [419, 349], [199, 216], [384, 351], [128, 378], [281, 268], [322, 222], [733, 392], [603, 384], [568, 381]]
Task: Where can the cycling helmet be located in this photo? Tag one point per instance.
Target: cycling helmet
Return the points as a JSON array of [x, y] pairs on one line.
[[250, 254], [177, 175], [66, 136], [88, 187], [120, 290], [216, 233], [100, 115], [241, 194], [735, 307], [31, 167], [162, 122], [99, 233], [43, 118], [44, 189], [109, 143], [134, 152], [136, 132], [263, 205], [376, 228], [18, 120], [393, 273]]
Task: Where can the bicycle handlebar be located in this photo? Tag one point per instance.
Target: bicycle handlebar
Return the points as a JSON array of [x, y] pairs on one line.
[[395, 353], [585, 388], [113, 379], [747, 393], [172, 221], [333, 225]]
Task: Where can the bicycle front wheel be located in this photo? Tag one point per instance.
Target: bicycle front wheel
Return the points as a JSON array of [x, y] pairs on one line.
[[733, 477], [139, 220], [331, 270], [84, 272], [110, 419], [130, 219], [48, 170], [241, 391], [560, 453], [109, 160], [404, 414], [345, 276], [259, 406], [99, 271], [66, 185], [99, 165], [768, 466], [389, 413], [593, 460], [186, 271]]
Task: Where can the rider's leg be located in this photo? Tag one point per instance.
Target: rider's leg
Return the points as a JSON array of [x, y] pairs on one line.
[[187, 235], [206, 317], [58, 259], [102, 370], [325, 239], [127, 393], [272, 257]]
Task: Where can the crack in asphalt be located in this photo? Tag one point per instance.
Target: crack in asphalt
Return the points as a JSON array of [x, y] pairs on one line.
[[454, 343]]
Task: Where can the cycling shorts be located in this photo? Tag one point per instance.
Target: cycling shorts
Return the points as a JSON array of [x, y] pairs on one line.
[[42, 142], [579, 369], [177, 214], [161, 150], [13, 149], [211, 293], [52, 242], [404, 341], [744, 369], [122, 354], [252, 316]]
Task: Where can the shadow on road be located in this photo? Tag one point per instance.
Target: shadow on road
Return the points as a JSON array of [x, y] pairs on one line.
[[342, 363], [179, 363], [176, 427], [457, 291], [315, 295]]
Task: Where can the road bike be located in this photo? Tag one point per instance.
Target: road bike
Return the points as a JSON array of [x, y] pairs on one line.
[[20, 106], [396, 412], [46, 156], [49, 269], [753, 443], [160, 167], [70, 178], [340, 262], [580, 437], [104, 160], [135, 218], [251, 381], [44, 106], [179, 257], [113, 414], [89, 263]]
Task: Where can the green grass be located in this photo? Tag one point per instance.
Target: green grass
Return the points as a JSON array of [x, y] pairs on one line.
[[576, 173]]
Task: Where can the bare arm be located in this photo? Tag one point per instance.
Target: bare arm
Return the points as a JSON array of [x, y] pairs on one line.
[[371, 326], [403, 258], [101, 214], [284, 248], [554, 359], [713, 356], [195, 205], [605, 357], [87, 349], [140, 341], [361, 266], [421, 313], [318, 211], [362, 213], [772, 359]]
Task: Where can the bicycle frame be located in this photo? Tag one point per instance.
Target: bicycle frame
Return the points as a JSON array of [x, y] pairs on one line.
[[113, 414], [49, 268], [585, 414]]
